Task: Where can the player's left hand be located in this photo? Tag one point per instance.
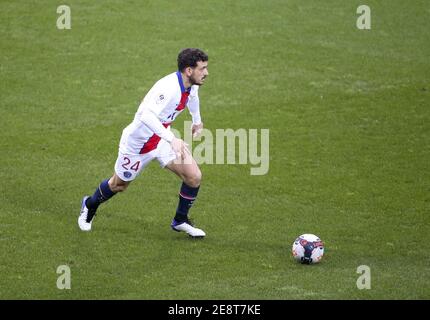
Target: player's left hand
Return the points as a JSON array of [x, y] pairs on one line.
[[196, 129]]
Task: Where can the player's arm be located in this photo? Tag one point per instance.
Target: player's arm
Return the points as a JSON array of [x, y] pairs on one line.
[[149, 117], [194, 108]]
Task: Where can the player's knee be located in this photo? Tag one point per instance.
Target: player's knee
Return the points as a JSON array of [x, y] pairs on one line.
[[119, 187], [195, 178]]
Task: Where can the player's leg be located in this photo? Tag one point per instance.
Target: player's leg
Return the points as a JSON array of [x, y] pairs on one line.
[[127, 168], [191, 176], [106, 190]]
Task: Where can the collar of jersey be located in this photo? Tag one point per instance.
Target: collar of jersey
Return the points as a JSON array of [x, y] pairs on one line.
[[181, 83]]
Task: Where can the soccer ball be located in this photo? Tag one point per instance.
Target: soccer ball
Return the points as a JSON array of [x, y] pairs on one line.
[[308, 249]]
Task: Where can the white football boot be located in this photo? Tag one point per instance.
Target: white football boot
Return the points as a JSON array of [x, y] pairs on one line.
[[83, 222], [187, 227]]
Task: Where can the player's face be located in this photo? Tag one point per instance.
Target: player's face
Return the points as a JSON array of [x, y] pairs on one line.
[[199, 73]]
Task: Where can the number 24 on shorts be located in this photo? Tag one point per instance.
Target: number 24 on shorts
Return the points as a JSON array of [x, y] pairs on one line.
[[127, 162]]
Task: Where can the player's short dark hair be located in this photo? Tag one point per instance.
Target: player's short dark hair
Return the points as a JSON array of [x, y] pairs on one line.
[[189, 58]]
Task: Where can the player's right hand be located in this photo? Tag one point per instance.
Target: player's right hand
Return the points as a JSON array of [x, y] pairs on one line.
[[196, 129], [180, 148]]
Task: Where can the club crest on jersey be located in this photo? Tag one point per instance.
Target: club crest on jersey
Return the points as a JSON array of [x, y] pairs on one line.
[[127, 174]]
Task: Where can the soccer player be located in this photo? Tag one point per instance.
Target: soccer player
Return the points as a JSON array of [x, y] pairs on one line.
[[149, 137]]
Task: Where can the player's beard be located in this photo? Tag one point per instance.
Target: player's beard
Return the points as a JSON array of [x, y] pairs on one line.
[[195, 81]]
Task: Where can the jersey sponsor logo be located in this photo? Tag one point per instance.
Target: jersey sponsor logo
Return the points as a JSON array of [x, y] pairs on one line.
[[160, 99]]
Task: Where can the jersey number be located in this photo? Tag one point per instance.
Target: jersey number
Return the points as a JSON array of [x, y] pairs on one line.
[[172, 116], [134, 167]]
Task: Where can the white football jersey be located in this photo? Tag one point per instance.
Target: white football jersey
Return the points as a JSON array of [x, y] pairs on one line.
[[160, 107]]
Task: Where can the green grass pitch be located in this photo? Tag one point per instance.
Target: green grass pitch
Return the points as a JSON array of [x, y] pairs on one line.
[[348, 114]]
